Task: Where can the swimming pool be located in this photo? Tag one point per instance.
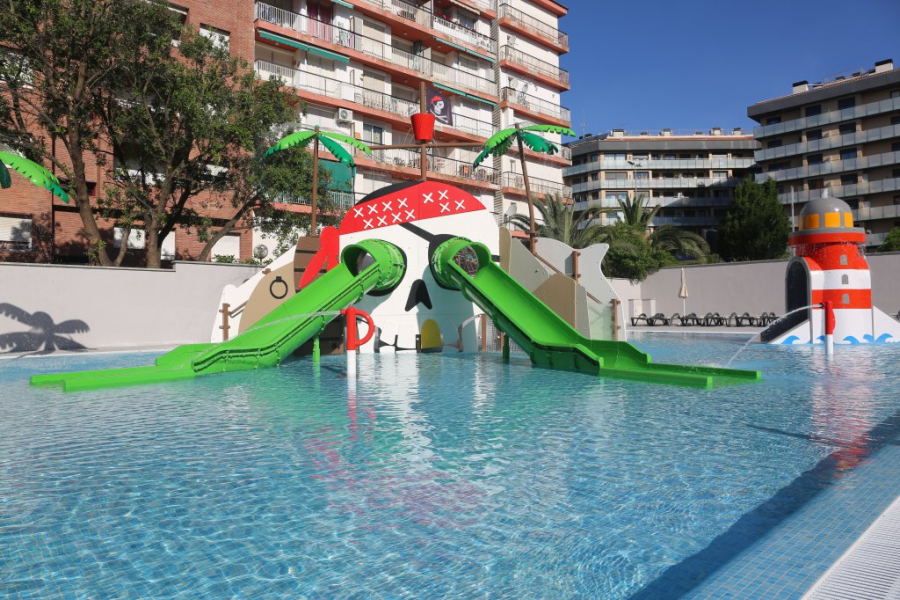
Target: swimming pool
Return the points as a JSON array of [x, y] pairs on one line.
[[439, 475]]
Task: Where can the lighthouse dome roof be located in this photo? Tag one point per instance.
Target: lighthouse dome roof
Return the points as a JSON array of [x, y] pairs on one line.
[[827, 215]]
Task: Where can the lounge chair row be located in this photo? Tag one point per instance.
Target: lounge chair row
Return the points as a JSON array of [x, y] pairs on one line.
[[708, 320]]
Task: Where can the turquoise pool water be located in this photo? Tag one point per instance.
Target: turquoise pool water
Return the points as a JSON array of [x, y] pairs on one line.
[[438, 476]]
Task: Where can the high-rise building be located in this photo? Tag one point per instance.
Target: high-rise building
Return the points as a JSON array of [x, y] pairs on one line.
[[839, 137], [358, 66], [690, 174]]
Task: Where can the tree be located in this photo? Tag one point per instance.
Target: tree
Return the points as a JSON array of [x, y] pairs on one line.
[[500, 143], [631, 255], [891, 242], [560, 223], [330, 141], [63, 62], [188, 141], [679, 242], [755, 226], [637, 213]]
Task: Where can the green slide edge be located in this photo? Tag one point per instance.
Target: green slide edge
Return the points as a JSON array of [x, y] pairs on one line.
[[274, 337], [548, 339]]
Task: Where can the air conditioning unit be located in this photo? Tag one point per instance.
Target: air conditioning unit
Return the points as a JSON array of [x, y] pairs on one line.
[[344, 115]]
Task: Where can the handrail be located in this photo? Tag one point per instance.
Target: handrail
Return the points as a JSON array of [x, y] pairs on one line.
[[542, 67], [558, 272], [534, 25]]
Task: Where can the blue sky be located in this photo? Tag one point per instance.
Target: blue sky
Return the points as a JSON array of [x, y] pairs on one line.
[[649, 64]]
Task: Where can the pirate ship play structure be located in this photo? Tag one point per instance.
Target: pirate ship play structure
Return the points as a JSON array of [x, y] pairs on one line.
[[399, 255]]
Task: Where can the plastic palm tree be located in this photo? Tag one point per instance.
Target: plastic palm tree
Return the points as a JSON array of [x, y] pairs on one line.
[[330, 141], [500, 143], [32, 171]]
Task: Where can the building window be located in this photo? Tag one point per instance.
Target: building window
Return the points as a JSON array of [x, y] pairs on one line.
[[15, 234], [813, 135], [848, 128], [616, 176], [895, 120], [773, 120], [774, 144], [668, 157], [372, 134], [895, 173], [779, 167], [219, 37], [849, 154], [642, 175], [896, 200], [228, 246], [814, 159], [850, 179], [812, 111], [637, 157], [815, 184], [845, 103], [614, 156], [895, 94], [720, 174]]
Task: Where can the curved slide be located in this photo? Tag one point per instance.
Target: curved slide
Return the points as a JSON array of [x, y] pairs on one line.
[[551, 342], [370, 265]]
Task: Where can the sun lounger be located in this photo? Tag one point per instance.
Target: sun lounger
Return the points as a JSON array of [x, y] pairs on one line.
[[713, 320], [641, 317], [736, 320], [658, 318], [689, 319]]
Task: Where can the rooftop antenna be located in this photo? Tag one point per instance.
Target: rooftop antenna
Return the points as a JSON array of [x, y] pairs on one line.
[[583, 124]]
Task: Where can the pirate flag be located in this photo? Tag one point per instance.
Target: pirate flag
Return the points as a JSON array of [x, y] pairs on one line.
[[438, 104]]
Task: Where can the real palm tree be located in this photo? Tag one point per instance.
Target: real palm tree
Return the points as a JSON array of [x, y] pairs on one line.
[[500, 143], [330, 141], [636, 213], [561, 223], [677, 241], [32, 171]]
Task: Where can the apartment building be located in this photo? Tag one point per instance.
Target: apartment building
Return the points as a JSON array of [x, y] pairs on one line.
[[839, 137], [690, 174], [358, 66]]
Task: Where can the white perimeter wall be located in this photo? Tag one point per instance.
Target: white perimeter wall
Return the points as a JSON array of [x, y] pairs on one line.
[[122, 307], [753, 287]]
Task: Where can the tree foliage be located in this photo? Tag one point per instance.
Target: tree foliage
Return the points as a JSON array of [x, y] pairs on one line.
[[183, 124], [559, 222], [755, 226], [891, 242], [631, 255]]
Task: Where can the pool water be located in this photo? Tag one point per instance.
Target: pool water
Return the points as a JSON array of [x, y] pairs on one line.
[[432, 476]]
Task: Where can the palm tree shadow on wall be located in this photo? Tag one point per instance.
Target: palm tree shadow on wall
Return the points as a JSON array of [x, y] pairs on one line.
[[44, 336]]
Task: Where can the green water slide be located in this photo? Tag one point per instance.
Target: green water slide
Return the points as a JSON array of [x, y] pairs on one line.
[[550, 341], [370, 265]]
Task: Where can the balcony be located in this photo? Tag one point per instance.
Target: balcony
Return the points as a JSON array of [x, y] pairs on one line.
[[483, 5], [376, 49], [339, 90], [665, 201], [536, 105], [704, 221], [404, 10], [890, 184], [537, 185], [829, 141], [537, 29], [877, 212], [658, 183], [832, 166], [835, 116], [624, 165], [464, 34], [452, 167], [343, 201], [533, 66]]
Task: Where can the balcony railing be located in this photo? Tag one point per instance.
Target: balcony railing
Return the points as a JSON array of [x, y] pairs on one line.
[[341, 200], [404, 10], [399, 157], [535, 104], [875, 239], [702, 221], [890, 184], [375, 48], [646, 165], [538, 66], [537, 185], [877, 212], [660, 183], [665, 201], [464, 34], [832, 166], [835, 116], [832, 141], [544, 30], [325, 86], [489, 5]]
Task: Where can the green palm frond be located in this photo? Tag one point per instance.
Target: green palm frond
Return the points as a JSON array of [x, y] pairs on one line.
[[550, 129], [339, 152], [34, 172], [5, 179], [500, 137], [298, 138], [537, 143], [481, 158], [346, 139]]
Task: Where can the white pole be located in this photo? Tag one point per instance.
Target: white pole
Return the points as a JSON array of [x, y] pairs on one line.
[[792, 208]]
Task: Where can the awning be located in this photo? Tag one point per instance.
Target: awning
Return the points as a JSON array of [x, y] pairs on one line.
[[460, 93], [469, 50], [342, 176], [282, 40], [342, 3], [328, 54]]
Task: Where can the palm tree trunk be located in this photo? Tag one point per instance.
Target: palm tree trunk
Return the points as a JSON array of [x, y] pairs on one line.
[[532, 234], [313, 230]]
